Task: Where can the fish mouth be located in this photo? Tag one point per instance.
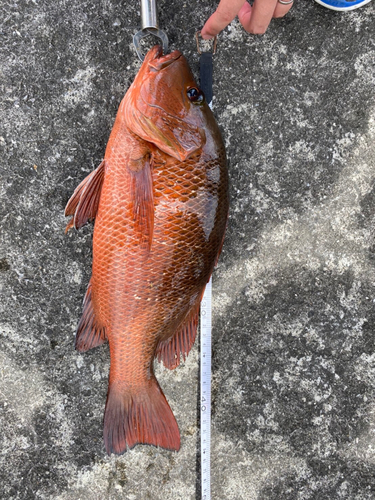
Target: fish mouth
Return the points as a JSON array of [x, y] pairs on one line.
[[158, 62]]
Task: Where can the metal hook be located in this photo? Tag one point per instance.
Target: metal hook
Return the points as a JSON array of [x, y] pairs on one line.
[[147, 32], [150, 26]]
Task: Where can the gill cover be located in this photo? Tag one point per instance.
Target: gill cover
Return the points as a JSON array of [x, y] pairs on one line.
[[157, 108]]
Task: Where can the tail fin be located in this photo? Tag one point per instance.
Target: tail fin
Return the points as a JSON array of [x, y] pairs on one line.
[[139, 417]]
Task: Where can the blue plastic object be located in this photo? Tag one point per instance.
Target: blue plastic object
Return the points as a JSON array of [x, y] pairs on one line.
[[342, 5]]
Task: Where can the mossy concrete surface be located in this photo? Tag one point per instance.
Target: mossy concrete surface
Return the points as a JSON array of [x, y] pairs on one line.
[[294, 291]]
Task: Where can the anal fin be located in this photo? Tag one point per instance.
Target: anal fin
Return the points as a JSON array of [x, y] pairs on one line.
[[83, 205], [179, 345], [221, 244], [89, 332]]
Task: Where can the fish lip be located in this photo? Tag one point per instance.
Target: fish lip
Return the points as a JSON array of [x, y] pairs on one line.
[[159, 62]]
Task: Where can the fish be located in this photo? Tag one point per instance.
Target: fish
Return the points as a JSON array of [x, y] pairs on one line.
[[160, 203]]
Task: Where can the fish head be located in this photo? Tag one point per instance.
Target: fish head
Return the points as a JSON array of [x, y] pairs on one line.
[[165, 106]]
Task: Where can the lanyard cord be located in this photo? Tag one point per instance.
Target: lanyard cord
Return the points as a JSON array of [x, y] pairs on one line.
[[205, 75]]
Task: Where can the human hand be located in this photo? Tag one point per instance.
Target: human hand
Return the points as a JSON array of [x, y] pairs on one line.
[[255, 19]]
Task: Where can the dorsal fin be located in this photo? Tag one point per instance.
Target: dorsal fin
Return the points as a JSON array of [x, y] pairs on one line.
[[89, 332], [83, 205]]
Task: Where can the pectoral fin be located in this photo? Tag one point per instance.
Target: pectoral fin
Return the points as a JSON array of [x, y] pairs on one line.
[[142, 196]]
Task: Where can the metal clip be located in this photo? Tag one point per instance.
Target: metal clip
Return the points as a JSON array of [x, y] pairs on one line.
[[150, 26], [147, 32], [213, 42]]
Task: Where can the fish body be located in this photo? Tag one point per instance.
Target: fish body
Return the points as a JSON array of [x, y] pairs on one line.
[[160, 203]]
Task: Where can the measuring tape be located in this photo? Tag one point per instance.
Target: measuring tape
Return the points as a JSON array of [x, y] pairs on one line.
[[206, 392], [206, 70]]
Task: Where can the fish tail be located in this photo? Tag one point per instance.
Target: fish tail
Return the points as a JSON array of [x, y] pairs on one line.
[[139, 416]]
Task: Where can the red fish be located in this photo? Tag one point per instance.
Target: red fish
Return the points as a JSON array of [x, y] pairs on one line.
[[160, 203]]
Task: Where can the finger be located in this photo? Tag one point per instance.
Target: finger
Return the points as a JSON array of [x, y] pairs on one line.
[[245, 14], [282, 9], [257, 19], [224, 14]]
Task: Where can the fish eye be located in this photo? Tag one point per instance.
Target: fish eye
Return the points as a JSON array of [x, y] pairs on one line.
[[195, 95]]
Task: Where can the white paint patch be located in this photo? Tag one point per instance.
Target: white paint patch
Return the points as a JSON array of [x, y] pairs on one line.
[[243, 476], [363, 447], [328, 235], [80, 86], [21, 392]]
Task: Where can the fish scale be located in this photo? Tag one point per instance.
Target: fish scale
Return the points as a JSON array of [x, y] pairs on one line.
[[160, 202]]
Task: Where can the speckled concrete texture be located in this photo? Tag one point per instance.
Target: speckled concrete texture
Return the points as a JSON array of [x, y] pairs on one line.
[[294, 292]]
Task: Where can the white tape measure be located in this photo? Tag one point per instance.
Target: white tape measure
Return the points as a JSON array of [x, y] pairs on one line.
[[206, 392], [205, 71]]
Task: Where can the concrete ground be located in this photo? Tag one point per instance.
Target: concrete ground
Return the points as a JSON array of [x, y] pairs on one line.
[[294, 292]]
